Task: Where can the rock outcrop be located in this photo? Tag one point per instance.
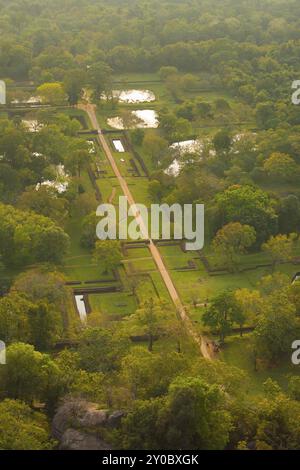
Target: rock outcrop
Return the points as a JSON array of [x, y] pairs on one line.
[[77, 440], [80, 425]]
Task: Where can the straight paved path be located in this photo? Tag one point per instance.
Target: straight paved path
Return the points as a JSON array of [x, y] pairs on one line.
[[201, 341]]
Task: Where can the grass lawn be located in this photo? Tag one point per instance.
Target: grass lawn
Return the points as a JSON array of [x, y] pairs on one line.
[[108, 187], [161, 288], [200, 285], [145, 156], [113, 305], [238, 352], [166, 345], [146, 289], [139, 189], [79, 264], [104, 166], [142, 264], [77, 114], [174, 257], [125, 167], [84, 270], [133, 253]]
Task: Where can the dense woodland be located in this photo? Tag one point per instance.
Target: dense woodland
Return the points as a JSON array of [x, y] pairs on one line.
[[224, 72]]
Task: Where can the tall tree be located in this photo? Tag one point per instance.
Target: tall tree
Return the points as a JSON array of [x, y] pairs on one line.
[[52, 93], [14, 325], [195, 416], [150, 316], [108, 254], [100, 79], [223, 312], [280, 248], [22, 428], [28, 374], [231, 241], [281, 167], [276, 328], [250, 206], [74, 81]]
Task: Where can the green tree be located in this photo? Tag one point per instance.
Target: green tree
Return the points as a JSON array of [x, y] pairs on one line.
[[188, 82], [122, 58], [74, 81], [134, 433], [223, 312], [100, 350], [14, 325], [204, 109], [100, 79], [222, 141], [77, 381], [276, 329], [154, 146], [249, 206], [137, 136], [150, 316], [289, 214], [26, 237], [84, 204], [231, 241], [46, 325], [22, 428], [43, 284], [265, 114], [52, 93], [186, 110], [88, 231], [294, 387], [167, 122], [156, 191], [44, 202], [78, 158], [221, 105], [147, 374], [252, 304], [68, 125], [248, 93], [280, 248], [181, 130], [195, 416], [277, 425], [28, 374], [191, 416], [52, 142], [281, 166], [172, 84], [108, 254], [166, 71]]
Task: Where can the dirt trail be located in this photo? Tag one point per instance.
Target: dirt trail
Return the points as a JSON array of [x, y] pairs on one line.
[[112, 196], [201, 341]]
